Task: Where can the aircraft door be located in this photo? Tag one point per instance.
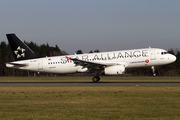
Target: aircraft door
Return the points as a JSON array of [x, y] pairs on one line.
[[40, 64], [153, 54]]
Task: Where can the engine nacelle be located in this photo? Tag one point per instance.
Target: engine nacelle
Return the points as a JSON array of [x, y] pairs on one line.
[[114, 70], [82, 70]]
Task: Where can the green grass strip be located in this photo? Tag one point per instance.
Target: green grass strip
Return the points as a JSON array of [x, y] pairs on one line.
[[89, 103]]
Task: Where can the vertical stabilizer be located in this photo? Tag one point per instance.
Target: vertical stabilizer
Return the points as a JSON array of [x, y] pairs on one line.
[[19, 49]]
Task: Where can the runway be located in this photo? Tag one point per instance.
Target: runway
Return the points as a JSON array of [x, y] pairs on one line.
[[89, 84]]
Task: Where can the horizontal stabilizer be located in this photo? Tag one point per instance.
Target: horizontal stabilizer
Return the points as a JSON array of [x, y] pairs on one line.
[[15, 64]]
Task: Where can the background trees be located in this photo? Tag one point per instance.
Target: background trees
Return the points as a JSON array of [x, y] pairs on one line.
[[46, 50]]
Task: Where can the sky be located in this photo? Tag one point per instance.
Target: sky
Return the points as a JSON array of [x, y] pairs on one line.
[[86, 25]]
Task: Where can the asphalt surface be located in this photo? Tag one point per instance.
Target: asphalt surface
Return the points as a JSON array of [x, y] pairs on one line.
[[89, 84]]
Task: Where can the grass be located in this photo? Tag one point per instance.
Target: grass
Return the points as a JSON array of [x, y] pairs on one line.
[[89, 103], [89, 79]]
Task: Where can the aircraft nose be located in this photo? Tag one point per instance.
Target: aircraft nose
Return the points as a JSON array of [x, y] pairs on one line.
[[173, 58]]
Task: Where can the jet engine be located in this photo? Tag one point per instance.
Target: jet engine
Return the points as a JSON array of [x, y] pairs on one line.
[[114, 70]]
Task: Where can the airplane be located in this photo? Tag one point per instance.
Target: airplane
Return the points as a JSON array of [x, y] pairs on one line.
[[109, 63]]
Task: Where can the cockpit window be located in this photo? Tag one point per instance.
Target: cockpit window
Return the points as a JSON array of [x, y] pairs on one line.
[[164, 53]]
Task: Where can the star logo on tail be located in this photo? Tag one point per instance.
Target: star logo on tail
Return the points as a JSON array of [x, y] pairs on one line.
[[20, 52]]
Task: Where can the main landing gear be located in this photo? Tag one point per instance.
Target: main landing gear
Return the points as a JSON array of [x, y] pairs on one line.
[[153, 70], [96, 79]]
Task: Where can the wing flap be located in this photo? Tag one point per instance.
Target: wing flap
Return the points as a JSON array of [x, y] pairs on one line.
[[87, 64]]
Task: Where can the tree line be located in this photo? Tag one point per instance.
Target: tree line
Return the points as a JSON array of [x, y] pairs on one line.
[[44, 50]]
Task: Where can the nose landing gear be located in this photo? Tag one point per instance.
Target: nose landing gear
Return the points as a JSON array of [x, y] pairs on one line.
[[153, 70]]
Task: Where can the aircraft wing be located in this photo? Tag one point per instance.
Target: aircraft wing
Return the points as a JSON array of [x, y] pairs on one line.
[[92, 64]]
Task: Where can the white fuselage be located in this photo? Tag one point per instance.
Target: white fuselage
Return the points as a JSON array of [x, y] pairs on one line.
[[129, 58]]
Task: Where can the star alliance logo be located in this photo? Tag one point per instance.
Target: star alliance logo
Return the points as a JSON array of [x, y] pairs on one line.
[[20, 52]]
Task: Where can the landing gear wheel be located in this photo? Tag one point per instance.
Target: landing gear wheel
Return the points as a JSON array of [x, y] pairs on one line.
[[96, 79], [154, 75]]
